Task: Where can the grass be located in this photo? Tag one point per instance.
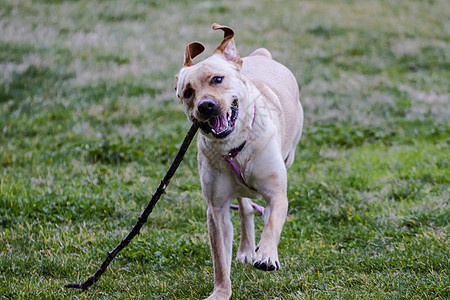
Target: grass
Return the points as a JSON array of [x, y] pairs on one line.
[[89, 125]]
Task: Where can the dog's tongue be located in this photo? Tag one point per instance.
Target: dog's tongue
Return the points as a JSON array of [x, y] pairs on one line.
[[219, 123]]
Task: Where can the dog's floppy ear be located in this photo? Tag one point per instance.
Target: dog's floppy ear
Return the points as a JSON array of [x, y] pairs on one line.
[[192, 50], [227, 48]]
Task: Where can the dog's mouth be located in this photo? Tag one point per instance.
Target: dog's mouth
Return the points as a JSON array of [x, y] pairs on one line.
[[221, 126]]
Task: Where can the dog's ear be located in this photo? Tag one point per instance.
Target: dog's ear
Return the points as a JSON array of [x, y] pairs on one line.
[[227, 48], [192, 50]]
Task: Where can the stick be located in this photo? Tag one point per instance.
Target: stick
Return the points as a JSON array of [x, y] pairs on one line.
[[143, 217]]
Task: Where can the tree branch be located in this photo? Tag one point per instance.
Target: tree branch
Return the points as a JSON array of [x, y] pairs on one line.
[[143, 217]]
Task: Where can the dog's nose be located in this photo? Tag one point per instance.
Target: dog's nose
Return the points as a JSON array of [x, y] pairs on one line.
[[208, 108]]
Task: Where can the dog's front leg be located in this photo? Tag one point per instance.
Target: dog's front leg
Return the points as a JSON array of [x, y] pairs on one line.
[[221, 239], [246, 251], [274, 218], [272, 186]]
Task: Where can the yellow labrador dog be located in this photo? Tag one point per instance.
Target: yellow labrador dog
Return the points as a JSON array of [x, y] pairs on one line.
[[251, 120]]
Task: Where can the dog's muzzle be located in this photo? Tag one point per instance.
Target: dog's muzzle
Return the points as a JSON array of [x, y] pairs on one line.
[[219, 125]]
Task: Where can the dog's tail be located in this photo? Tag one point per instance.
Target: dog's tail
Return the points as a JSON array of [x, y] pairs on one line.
[[261, 52]]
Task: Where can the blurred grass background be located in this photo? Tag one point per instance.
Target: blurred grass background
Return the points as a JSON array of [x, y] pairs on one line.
[[89, 124]]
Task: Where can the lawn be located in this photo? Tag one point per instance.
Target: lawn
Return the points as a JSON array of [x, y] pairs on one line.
[[89, 124]]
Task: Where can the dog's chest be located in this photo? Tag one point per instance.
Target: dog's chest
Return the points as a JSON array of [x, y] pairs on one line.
[[215, 153], [225, 159]]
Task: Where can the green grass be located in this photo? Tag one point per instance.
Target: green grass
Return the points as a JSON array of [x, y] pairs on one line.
[[89, 125]]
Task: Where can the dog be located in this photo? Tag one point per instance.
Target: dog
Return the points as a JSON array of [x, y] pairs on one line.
[[250, 120]]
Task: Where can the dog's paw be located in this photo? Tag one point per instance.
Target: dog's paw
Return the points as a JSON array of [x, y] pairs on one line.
[[245, 253], [246, 256], [266, 262], [217, 295]]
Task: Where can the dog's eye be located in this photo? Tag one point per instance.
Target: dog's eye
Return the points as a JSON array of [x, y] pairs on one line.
[[217, 79], [188, 93]]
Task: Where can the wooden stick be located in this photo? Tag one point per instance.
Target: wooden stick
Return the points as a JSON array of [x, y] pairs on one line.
[[143, 217]]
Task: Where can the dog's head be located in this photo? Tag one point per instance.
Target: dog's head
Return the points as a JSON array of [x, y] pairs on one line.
[[211, 90]]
